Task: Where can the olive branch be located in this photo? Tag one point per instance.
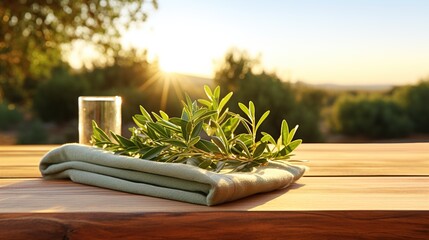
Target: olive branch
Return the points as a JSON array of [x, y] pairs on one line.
[[204, 136]]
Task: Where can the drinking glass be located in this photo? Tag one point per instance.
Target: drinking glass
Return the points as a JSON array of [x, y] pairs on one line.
[[105, 111]]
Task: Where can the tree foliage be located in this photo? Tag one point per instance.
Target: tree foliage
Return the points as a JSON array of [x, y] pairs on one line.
[[236, 67], [414, 99], [9, 116], [34, 32], [373, 117], [268, 92], [56, 99]]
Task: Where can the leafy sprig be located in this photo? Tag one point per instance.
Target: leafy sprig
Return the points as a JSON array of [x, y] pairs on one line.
[[204, 136]]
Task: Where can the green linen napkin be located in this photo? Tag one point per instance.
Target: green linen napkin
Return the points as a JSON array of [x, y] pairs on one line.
[[96, 167]]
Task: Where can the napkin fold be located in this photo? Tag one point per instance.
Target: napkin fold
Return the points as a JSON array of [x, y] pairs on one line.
[[176, 181]]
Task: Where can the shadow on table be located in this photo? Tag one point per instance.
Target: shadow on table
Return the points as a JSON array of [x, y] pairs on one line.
[[256, 200]]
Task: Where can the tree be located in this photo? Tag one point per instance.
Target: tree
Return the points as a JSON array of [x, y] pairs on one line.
[[414, 99], [237, 65], [373, 117], [133, 77], [56, 99], [130, 76], [35, 31], [309, 105], [269, 92]]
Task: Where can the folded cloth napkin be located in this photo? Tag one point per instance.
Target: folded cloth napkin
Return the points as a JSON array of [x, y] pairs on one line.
[[96, 167]]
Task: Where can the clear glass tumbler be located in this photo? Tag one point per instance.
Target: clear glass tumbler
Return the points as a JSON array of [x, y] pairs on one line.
[[105, 111]]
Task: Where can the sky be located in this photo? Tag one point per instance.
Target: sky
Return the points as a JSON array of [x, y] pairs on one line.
[[340, 42]]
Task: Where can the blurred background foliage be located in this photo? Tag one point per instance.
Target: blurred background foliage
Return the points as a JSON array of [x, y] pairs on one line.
[[299, 105], [39, 90]]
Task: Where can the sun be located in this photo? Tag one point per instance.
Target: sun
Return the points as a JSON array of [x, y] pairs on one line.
[[169, 82], [169, 66]]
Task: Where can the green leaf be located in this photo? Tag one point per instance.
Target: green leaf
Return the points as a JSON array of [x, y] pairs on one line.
[[284, 132], [188, 102], [207, 146], [176, 121], [185, 115], [220, 165], [183, 126], [224, 101], [217, 92], [221, 145], [252, 110], [230, 125], [292, 134], [261, 120], [188, 130], [268, 138], [293, 145], [194, 106], [208, 92], [245, 138], [169, 125], [139, 120], [151, 134], [243, 146], [221, 134], [204, 115], [153, 153], [194, 140], [208, 129], [259, 150], [121, 140], [145, 114], [158, 129], [244, 167], [156, 116], [163, 115], [244, 109], [223, 116], [205, 102], [247, 127], [175, 142], [205, 163], [197, 130], [279, 143], [99, 133]]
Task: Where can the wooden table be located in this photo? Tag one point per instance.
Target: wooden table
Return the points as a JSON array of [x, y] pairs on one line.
[[352, 191]]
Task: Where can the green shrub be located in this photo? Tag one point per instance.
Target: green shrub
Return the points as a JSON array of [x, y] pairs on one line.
[[9, 116], [415, 100], [56, 100], [32, 132], [268, 92], [374, 117]]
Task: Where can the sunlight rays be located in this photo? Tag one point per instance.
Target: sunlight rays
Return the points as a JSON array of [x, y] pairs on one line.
[[168, 82], [164, 94]]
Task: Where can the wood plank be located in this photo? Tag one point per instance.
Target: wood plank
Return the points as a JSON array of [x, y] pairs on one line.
[[218, 225], [26, 148], [365, 159], [411, 159], [309, 194], [331, 204], [20, 172]]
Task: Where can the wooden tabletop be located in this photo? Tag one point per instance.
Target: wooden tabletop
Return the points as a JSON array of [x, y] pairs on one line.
[[381, 190]]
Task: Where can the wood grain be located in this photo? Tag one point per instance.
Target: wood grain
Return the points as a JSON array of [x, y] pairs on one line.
[[218, 225], [26, 148], [308, 194], [352, 191], [411, 159], [365, 159]]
